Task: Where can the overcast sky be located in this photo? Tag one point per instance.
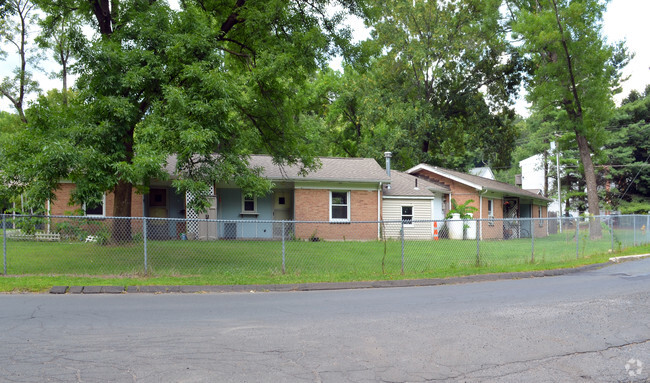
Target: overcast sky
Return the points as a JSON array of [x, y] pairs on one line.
[[624, 20]]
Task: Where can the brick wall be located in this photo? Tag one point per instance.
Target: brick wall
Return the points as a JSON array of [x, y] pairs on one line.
[[494, 229], [60, 205], [313, 205], [540, 231]]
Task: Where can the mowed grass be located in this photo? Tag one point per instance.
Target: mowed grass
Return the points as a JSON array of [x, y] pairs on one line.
[[36, 266]]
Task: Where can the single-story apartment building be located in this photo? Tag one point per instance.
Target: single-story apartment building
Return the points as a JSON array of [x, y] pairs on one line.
[[343, 199], [492, 199]]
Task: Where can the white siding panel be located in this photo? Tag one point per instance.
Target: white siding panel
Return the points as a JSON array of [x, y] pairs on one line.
[[392, 211]]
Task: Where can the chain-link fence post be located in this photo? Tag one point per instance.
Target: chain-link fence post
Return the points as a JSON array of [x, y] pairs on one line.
[[577, 237], [401, 234], [634, 229], [283, 249], [144, 235], [532, 240], [4, 242], [478, 244], [611, 230]]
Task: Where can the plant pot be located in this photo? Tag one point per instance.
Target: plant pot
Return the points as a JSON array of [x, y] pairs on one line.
[[470, 227], [455, 227]]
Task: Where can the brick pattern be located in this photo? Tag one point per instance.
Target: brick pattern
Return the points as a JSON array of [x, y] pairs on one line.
[[540, 231], [313, 205], [492, 230], [61, 206]]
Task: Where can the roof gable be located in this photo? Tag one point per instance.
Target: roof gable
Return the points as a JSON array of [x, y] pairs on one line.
[[404, 185], [477, 182]]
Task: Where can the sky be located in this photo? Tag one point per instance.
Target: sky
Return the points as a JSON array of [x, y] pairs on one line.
[[623, 20]]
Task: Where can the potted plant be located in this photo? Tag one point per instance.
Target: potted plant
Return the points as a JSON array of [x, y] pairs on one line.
[[458, 213]]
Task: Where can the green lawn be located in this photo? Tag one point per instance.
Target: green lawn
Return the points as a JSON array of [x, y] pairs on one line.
[[39, 265]]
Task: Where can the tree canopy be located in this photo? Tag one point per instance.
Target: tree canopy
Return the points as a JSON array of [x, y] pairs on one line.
[[435, 86], [213, 77], [574, 72]]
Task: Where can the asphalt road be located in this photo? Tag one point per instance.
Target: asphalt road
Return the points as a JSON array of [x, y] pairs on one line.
[[583, 327]]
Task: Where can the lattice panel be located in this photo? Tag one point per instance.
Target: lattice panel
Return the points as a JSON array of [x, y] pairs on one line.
[[191, 215]]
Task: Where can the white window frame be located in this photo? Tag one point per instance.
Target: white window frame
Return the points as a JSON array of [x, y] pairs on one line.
[[539, 211], [410, 224], [332, 219], [490, 212], [96, 215], [244, 198]]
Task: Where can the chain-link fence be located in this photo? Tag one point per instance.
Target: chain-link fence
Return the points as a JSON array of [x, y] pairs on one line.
[[46, 245]]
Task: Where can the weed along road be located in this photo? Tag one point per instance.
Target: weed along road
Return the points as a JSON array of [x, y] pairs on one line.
[[591, 326]]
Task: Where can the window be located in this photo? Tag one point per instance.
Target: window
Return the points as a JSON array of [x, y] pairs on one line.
[[340, 206], [407, 215], [96, 210], [539, 215], [249, 205], [491, 212]]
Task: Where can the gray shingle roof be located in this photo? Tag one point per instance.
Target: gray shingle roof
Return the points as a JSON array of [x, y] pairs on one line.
[[331, 169], [485, 183], [403, 185]]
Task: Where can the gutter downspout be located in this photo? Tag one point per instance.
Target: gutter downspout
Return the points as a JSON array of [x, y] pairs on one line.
[[480, 212], [379, 211], [49, 212]]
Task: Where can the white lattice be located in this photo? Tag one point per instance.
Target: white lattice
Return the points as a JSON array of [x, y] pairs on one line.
[[191, 215]]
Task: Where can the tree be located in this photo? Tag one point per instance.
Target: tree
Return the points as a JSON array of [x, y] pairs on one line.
[[210, 84], [436, 88], [573, 71], [61, 34], [19, 16], [628, 153]]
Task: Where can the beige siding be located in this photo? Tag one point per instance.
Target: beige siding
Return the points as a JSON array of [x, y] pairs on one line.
[[392, 211]]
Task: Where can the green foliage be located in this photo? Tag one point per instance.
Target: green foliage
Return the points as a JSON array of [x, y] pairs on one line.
[[463, 209], [628, 151], [154, 82], [434, 87], [573, 71], [16, 24], [635, 206]]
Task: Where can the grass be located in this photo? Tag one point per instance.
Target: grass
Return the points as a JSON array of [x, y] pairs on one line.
[[37, 266]]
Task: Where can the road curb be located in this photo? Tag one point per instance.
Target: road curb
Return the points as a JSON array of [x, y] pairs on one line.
[[628, 258], [194, 289]]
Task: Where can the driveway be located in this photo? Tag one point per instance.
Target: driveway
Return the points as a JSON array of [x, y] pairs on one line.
[[590, 326]]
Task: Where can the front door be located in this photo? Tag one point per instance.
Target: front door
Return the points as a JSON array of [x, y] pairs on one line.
[[158, 209], [511, 218], [282, 211]]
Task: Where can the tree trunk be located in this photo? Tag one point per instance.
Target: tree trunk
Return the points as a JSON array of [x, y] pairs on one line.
[[595, 230], [122, 208]]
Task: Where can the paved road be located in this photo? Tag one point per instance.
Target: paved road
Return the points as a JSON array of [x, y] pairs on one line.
[[583, 327]]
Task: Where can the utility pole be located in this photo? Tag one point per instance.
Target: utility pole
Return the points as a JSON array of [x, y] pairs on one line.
[[557, 168]]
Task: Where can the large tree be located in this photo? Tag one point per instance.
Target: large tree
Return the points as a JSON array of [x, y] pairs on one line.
[[438, 86], [220, 77], [17, 21], [628, 153], [573, 71]]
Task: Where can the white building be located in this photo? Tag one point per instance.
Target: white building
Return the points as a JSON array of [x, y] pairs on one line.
[[532, 178]]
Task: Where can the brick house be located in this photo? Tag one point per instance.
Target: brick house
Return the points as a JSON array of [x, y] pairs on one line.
[[343, 199], [342, 192], [493, 199]]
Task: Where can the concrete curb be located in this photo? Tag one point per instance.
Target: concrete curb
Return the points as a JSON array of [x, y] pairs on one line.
[[327, 285], [628, 258]]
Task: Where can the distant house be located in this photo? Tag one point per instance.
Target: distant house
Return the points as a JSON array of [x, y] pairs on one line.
[[533, 178], [493, 199], [485, 172]]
